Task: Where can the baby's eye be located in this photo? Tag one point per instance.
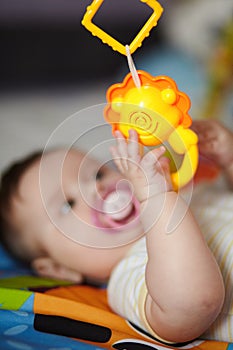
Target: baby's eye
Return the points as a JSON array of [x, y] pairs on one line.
[[67, 206], [100, 174]]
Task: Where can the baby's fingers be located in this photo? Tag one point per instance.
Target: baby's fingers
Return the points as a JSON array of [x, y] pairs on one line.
[[133, 145], [151, 158], [117, 159], [121, 143], [127, 151], [121, 151]]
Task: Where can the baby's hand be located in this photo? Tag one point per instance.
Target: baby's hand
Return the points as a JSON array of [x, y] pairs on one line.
[[215, 141], [149, 174]]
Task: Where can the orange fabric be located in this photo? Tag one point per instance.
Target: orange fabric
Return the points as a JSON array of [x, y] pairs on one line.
[[84, 294], [85, 304], [89, 304]]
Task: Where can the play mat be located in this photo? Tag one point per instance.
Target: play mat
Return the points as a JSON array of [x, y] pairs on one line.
[[48, 314]]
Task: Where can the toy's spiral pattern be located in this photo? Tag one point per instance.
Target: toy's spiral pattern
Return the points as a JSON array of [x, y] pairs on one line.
[[143, 121]]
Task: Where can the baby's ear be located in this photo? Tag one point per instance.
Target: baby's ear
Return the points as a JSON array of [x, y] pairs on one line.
[[47, 267]]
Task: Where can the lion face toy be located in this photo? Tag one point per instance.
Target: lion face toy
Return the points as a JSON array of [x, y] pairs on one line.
[[158, 111]]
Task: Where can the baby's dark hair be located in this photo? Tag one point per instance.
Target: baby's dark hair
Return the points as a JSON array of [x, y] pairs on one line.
[[9, 186]]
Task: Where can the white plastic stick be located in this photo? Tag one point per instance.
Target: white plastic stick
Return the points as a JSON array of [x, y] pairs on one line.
[[132, 68]]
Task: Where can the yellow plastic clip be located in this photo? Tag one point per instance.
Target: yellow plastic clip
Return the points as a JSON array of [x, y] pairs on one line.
[[106, 38]]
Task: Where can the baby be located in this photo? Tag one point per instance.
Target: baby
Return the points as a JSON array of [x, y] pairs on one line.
[[72, 218]]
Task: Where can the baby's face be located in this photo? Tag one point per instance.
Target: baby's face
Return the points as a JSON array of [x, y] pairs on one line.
[[75, 211]]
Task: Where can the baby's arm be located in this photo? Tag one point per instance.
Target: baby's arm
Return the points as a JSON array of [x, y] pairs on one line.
[[216, 143], [185, 287]]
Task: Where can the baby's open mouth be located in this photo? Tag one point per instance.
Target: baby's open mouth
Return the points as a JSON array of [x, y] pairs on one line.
[[118, 210]]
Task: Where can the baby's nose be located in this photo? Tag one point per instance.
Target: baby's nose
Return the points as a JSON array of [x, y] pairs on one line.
[[98, 188]]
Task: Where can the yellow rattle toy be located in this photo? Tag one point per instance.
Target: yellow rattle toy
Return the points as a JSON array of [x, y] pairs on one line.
[[159, 112], [152, 105]]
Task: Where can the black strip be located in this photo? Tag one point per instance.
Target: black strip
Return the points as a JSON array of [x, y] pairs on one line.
[[72, 328], [175, 345], [127, 345]]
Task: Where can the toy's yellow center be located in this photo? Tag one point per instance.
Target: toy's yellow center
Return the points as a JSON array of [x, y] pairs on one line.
[[150, 111]]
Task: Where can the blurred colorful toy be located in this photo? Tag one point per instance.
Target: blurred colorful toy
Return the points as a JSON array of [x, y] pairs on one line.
[[159, 113]]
